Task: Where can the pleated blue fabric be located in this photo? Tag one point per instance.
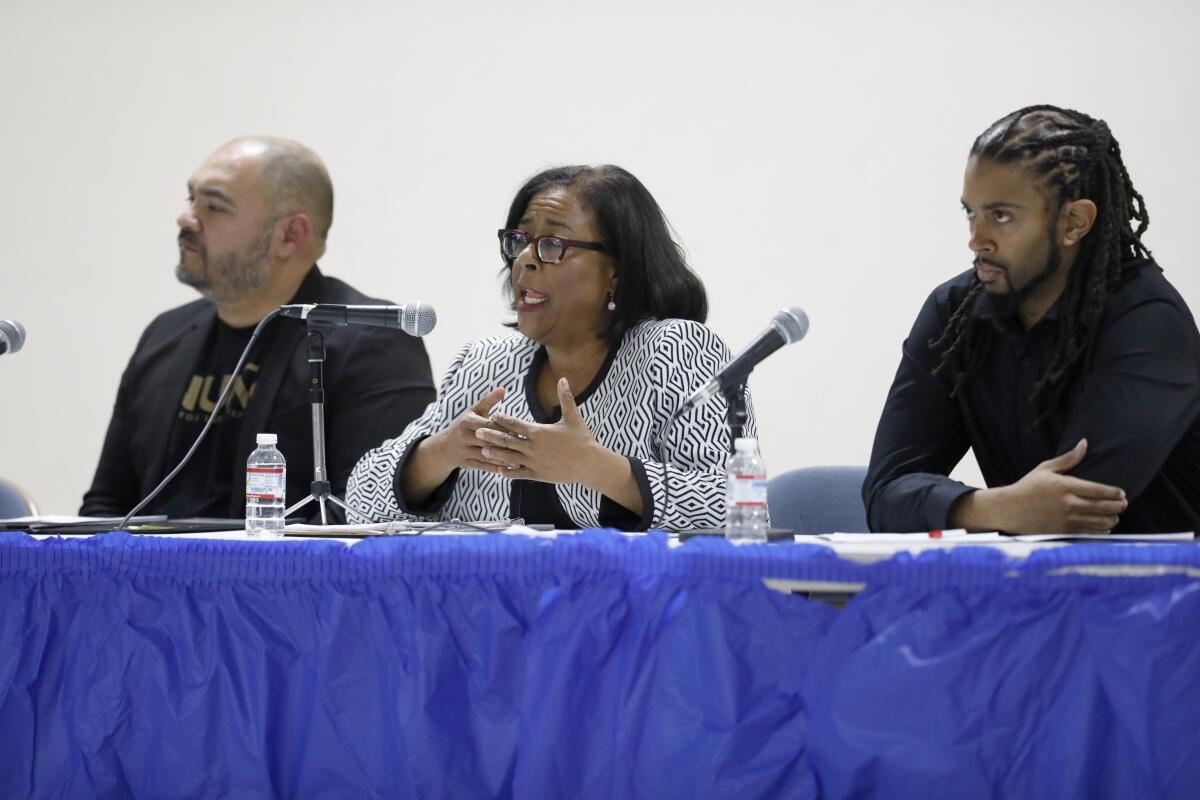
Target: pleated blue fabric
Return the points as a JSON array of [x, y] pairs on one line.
[[595, 665]]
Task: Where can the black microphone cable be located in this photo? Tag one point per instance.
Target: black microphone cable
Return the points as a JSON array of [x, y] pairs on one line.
[[221, 400], [660, 443]]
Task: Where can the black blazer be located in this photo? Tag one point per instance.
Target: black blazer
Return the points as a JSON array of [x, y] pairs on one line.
[[376, 382]]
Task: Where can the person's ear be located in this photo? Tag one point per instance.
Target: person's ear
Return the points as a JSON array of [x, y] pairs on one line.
[[293, 235], [1078, 217]]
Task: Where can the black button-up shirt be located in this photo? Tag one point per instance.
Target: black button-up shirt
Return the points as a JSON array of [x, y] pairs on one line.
[[1137, 402]]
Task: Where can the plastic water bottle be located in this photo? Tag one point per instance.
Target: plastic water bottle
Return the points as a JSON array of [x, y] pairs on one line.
[[266, 485], [746, 517]]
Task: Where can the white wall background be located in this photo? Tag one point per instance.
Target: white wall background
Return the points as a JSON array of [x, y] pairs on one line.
[[806, 153]]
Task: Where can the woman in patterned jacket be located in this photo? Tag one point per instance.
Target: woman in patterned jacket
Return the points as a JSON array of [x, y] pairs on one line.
[[559, 423]]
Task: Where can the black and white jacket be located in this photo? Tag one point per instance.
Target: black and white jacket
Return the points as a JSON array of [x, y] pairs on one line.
[[657, 365]]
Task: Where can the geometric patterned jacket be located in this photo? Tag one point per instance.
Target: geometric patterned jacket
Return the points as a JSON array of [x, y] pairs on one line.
[[656, 366]]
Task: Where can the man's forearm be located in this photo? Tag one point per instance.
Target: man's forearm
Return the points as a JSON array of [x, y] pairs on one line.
[[980, 510]]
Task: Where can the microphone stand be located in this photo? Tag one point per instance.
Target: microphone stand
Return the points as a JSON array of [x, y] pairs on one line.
[[320, 490], [737, 415]]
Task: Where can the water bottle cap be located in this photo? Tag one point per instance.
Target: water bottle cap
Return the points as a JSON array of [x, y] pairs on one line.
[[746, 445], [267, 438]]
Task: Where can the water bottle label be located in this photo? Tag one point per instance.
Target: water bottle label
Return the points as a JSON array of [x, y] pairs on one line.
[[265, 483], [746, 491]]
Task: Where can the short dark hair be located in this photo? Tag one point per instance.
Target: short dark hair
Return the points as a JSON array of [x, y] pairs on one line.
[[653, 278], [294, 179]]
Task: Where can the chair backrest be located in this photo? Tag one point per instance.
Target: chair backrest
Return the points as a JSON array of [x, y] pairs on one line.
[[15, 501], [818, 500]]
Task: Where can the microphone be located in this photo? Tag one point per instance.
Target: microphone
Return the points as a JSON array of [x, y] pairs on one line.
[[787, 327], [415, 319], [12, 336]]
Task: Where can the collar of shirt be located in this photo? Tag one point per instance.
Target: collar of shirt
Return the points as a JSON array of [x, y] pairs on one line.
[[1011, 326]]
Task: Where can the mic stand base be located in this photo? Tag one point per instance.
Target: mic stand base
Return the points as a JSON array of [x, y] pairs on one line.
[[320, 493], [320, 490]]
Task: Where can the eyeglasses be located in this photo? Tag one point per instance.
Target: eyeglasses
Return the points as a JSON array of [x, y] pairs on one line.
[[549, 249]]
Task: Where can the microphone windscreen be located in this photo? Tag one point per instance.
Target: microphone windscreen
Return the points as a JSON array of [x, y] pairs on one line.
[[417, 319], [792, 323], [12, 333]]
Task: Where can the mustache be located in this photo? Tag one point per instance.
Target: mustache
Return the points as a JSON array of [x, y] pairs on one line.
[[990, 263], [189, 238]]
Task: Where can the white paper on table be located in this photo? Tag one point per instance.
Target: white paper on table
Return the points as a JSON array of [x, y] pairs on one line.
[[955, 536], [381, 528], [413, 528], [1103, 537]]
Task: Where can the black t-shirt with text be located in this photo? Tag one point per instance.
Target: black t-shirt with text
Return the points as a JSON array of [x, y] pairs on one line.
[[206, 482]]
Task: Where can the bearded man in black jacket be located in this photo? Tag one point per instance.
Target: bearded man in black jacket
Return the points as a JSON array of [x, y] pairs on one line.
[[257, 217]]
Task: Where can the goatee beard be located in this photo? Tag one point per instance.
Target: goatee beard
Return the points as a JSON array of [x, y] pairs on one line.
[[1008, 304], [230, 277]]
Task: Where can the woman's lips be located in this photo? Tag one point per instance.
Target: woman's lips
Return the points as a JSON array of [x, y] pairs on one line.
[[530, 300]]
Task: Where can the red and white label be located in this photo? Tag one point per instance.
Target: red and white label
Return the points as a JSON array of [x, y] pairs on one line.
[[266, 483], [746, 491]]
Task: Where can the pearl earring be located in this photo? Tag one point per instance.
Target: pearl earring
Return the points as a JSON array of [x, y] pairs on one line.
[[612, 304]]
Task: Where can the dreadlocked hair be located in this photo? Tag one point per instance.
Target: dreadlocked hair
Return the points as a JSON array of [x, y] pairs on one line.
[[1076, 157]]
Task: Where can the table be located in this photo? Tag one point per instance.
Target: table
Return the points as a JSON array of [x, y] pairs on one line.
[[595, 665]]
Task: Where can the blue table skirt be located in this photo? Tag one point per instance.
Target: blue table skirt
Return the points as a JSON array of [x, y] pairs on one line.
[[589, 666]]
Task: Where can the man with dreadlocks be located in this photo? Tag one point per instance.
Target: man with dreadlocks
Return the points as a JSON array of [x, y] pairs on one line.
[[1064, 359]]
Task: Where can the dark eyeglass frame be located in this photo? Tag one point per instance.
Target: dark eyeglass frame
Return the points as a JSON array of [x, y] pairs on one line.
[[536, 241]]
